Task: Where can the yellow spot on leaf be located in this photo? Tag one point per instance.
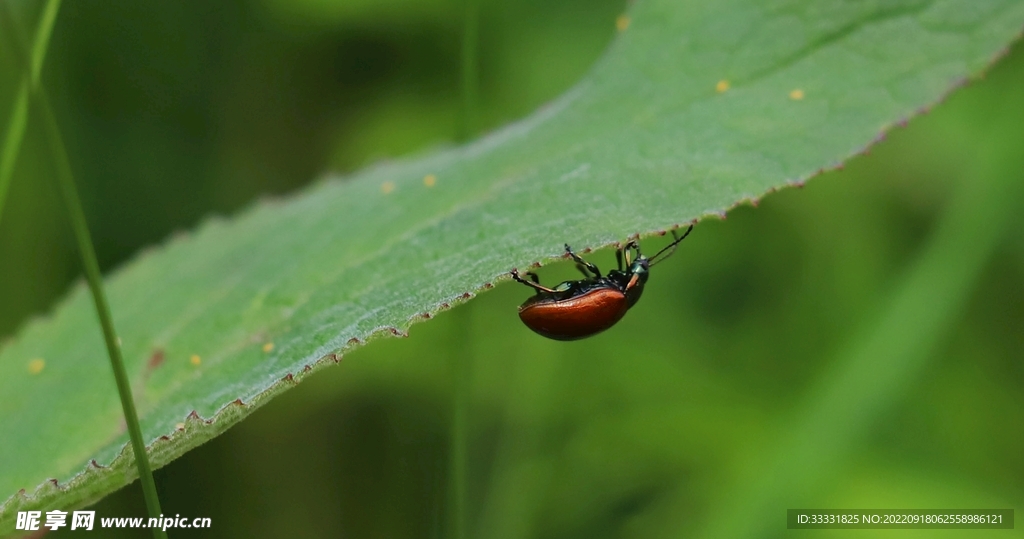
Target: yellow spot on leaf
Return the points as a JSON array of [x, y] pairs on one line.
[[179, 426], [429, 180], [622, 22], [387, 187], [796, 95], [268, 347], [36, 366], [722, 86], [195, 360]]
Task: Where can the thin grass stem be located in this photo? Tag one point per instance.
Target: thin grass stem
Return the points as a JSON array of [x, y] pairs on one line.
[[15, 132], [470, 69], [462, 382], [66, 183], [40, 106]]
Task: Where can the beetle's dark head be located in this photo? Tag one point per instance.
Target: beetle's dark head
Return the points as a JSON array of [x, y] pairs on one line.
[[640, 267], [632, 280]]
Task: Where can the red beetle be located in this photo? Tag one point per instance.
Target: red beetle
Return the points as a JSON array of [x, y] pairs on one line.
[[577, 309]]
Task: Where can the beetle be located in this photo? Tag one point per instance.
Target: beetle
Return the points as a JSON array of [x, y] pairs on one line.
[[578, 309]]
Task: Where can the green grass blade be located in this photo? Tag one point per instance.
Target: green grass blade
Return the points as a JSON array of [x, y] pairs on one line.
[[463, 362], [19, 116], [66, 182], [12, 140], [470, 68], [42, 39]]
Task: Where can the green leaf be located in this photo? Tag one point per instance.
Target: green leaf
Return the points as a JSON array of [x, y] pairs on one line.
[[215, 324]]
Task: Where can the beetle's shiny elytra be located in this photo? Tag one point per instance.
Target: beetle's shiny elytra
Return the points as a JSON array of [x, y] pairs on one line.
[[577, 309]]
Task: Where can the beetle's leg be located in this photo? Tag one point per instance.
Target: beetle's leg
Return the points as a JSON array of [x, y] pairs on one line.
[[533, 277], [631, 244], [583, 269], [583, 265], [618, 257], [533, 283]]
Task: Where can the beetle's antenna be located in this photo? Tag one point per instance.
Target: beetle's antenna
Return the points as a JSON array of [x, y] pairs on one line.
[[654, 259]]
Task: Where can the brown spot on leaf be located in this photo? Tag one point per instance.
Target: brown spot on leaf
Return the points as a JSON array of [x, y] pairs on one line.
[[155, 359]]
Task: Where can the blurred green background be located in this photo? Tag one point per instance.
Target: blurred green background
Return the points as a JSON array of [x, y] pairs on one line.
[[686, 419]]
